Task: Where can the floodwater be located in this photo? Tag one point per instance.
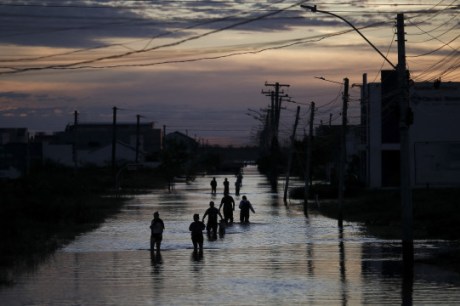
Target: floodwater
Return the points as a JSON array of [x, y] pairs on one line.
[[280, 258]]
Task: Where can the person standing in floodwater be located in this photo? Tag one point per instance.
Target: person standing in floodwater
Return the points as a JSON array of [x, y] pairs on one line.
[[226, 186], [237, 188], [212, 214], [229, 206], [213, 186], [245, 207], [196, 228], [156, 227]]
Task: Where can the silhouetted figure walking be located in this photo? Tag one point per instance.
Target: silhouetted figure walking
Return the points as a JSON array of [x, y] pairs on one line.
[[245, 207], [226, 186], [237, 188], [213, 185], [156, 227], [212, 214], [238, 183], [229, 206], [196, 228]]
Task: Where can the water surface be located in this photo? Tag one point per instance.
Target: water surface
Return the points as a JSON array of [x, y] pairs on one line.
[[280, 258]]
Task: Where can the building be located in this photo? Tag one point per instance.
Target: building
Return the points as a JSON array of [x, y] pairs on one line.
[[13, 135], [434, 137], [178, 138], [91, 144]]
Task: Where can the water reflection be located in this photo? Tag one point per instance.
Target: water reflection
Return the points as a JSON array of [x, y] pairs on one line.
[[280, 258]]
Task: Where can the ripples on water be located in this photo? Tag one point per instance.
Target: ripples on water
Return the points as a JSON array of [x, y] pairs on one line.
[[281, 258]]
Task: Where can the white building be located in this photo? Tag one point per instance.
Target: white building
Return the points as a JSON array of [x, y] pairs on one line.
[[434, 134]]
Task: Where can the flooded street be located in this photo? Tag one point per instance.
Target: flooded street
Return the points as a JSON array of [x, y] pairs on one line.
[[280, 258]]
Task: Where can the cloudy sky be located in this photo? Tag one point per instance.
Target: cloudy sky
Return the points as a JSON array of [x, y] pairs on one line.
[[201, 67]]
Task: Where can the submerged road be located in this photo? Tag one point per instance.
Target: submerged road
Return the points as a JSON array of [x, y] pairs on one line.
[[280, 258]]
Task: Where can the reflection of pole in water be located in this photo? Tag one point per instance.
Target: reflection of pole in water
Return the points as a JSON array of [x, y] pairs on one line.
[[407, 283], [343, 277]]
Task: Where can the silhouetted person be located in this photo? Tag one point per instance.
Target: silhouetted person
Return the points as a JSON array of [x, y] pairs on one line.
[[156, 227], [238, 183], [245, 207], [212, 214], [229, 206], [237, 188], [213, 185], [196, 228], [226, 186], [239, 178]]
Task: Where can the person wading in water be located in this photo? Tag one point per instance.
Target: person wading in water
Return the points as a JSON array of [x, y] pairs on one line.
[[196, 228], [212, 214], [157, 227], [245, 207]]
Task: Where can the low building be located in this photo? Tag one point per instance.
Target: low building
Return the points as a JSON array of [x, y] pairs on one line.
[[92, 144], [13, 135]]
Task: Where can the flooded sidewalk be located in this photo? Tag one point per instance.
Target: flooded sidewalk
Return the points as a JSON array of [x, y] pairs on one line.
[[279, 258]]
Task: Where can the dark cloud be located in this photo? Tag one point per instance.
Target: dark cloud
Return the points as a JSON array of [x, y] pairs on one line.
[[78, 24], [14, 96], [10, 95]]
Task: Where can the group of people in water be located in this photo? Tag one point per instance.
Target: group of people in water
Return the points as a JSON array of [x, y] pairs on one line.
[[214, 226], [238, 183]]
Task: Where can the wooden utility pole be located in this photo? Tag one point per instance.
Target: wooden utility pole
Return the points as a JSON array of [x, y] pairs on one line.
[[114, 138], [343, 152], [75, 140], [291, 151], [405, 122], [308, 159], [138, 121], [276, 106]]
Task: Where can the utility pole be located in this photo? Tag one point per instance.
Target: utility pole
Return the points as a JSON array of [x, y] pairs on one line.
[[308, 161], [114, 138], [288, 172], [138, 117], [343, 152], [405, 122], [276, 105], [75, 140]]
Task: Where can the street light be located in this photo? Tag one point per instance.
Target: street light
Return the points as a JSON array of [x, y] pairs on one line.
[[405, 122], [314, 10]]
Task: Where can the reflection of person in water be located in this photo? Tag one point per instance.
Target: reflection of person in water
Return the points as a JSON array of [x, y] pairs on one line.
[[196, 228], [245, 207], [229, 206], [226, 186], [212, 214], [156, 227], [213, 185]]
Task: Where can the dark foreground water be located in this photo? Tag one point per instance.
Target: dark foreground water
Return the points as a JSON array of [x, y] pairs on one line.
[[281, 258]]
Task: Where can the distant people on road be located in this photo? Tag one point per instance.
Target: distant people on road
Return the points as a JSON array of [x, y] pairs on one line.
[[239, 178], [212, 214], [213, 185], [245, 207], [229, 206], [237, 188], [226, 186], [156, 227], [196, 228], [238, 183]]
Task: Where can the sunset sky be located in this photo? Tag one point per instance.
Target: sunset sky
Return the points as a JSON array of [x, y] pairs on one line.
[[198, 66]]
